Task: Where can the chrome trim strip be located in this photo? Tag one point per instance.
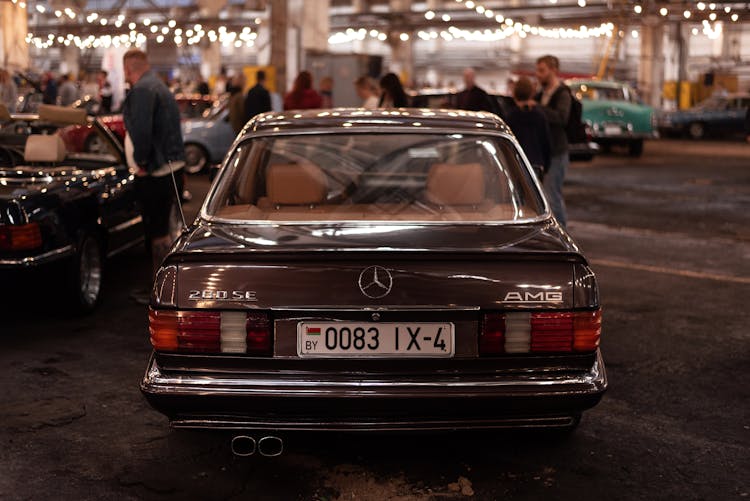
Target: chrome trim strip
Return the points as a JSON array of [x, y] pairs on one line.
[[127, 224], [125, 247], [531, 384], [369, 425], [39, 259]]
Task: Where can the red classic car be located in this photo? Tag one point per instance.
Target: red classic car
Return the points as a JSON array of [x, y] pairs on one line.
[[82, 139]]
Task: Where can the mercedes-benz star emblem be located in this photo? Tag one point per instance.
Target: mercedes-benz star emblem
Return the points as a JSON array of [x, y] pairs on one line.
[[375, 282]]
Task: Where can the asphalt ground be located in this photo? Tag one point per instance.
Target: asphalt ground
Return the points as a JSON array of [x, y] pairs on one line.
[[668, 236]]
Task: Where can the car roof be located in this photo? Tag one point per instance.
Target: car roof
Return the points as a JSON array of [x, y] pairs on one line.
[[598, 83], [344, 119]]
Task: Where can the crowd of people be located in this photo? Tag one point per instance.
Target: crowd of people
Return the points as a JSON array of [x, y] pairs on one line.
[[154, 144]]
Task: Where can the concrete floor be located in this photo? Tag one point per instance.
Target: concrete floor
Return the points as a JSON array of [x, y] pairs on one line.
[[669, 239]]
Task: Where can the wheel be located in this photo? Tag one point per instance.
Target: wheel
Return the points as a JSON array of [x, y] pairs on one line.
[[94, 144], [196, 158], [697, 130], [85, 275], [635, 148]]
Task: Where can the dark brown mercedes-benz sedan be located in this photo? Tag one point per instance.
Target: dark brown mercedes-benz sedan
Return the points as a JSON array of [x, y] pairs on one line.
[[375, 270]]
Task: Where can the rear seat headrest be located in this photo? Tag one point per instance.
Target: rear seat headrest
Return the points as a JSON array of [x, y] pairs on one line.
[[456, 184], [44, 148], [296, 184]]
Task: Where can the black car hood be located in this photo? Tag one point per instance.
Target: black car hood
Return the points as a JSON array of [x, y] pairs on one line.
[[543, 236]]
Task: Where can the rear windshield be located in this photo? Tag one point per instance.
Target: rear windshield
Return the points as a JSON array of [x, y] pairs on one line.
[[376, 177]]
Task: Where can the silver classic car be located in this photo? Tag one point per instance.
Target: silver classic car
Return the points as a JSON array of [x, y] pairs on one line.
[[375, 270]]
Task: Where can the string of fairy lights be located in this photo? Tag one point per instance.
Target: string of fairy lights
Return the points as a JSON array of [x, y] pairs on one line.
[[132, 33], [709, 16], [707, 19]]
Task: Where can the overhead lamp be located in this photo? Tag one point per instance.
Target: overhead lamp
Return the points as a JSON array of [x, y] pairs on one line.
[[701, 6], [469, 4], [429, 15], [146, 22], [686, 14], [638, 9], [663, 11], [712, 16], [582, 3], [40, 8], [404, 37], [446, 18], [727, 9], [735, 17], [172, 23]]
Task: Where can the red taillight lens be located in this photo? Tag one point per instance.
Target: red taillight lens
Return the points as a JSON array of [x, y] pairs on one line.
[[258, 333], [551, 331], [20, 236], [492, 337], [199, 331], [210, 332], [587, 329], [548, 332]]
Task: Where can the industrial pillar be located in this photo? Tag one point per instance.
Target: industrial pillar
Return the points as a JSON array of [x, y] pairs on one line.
[[402, 54], [278, 35], [683, 84], [210, 59], [651, 64], [14, 52], [70, 64]]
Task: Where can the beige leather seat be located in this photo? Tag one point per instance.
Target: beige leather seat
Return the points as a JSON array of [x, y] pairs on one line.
[[44, 148], [456, 185], [295, 185]]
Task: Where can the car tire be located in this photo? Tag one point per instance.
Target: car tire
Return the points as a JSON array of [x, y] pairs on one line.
[[697, 130], [84, 280], [635, 148], [196, 158], [93, 144]]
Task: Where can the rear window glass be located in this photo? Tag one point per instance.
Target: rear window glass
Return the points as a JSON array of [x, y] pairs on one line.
[[376, 177]]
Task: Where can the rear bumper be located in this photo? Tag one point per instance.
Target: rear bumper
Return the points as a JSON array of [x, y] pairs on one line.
[[272, 402]]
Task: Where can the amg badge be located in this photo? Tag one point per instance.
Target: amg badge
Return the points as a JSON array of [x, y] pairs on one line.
[[533, 297]]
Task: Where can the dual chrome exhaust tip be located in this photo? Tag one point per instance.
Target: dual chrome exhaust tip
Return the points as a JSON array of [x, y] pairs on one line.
[[245, 446]]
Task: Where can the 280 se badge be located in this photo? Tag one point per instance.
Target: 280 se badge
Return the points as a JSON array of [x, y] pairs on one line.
[[222, 295]]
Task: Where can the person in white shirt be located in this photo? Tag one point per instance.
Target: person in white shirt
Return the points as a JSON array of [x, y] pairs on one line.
[[366, 90]]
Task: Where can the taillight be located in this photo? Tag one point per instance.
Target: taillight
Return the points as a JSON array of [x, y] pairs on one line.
[[210, 331], [547, 332], [20, 236]]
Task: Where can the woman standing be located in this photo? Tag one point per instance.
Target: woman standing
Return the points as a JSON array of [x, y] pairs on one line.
[[393, 95], [302, 96]]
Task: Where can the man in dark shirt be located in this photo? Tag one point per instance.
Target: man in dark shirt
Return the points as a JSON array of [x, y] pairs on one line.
[[473, 97], [555, 99], [258, 99], [529, 125]]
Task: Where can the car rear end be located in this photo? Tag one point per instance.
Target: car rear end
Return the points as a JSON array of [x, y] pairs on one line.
[[415, 282]]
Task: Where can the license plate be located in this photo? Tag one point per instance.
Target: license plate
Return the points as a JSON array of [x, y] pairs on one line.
[[373, 340], [612, 130]]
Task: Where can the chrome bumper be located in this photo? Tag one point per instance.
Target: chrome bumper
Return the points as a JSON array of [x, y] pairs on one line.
[[538, 399], [39, 259]]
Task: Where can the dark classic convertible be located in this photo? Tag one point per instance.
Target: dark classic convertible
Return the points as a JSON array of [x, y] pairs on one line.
[[62, 209], [374, 270]]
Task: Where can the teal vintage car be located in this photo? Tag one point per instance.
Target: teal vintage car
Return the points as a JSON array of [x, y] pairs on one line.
[[615, 114]]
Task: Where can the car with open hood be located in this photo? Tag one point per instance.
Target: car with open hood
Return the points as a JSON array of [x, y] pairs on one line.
[[374, 270], [62, 209], [614, 114]]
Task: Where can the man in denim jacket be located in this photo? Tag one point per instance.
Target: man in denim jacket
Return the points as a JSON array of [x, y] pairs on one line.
[[154, 148]]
